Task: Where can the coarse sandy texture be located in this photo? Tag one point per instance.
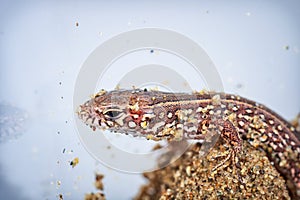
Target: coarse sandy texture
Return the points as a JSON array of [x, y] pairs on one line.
[[99, 186], [193, 178], [95, 196]]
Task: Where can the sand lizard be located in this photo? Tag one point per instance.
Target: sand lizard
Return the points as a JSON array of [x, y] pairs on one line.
[[160, 115]]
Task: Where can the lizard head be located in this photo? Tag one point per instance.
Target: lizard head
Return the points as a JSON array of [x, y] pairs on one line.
[[123, 111], [136, 112]]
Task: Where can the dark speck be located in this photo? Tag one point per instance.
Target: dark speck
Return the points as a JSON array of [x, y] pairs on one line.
[[287, 47], [239, 86], [151, 51]]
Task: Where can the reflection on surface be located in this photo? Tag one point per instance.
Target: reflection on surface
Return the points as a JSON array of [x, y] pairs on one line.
[[12, 121]]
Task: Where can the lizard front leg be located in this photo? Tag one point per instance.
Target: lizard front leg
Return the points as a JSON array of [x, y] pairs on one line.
[[231, 136]]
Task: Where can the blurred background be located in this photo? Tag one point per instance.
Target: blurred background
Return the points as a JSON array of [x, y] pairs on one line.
[[254, 45]]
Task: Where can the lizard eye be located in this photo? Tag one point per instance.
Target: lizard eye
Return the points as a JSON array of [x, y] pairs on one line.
[[113, 113]]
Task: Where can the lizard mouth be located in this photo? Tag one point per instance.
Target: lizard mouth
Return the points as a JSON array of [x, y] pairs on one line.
[[85, 113]]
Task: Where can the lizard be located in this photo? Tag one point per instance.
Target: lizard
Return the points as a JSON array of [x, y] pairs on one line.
[[158, 115]]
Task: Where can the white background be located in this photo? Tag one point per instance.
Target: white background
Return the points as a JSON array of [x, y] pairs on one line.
[[40, 46]]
